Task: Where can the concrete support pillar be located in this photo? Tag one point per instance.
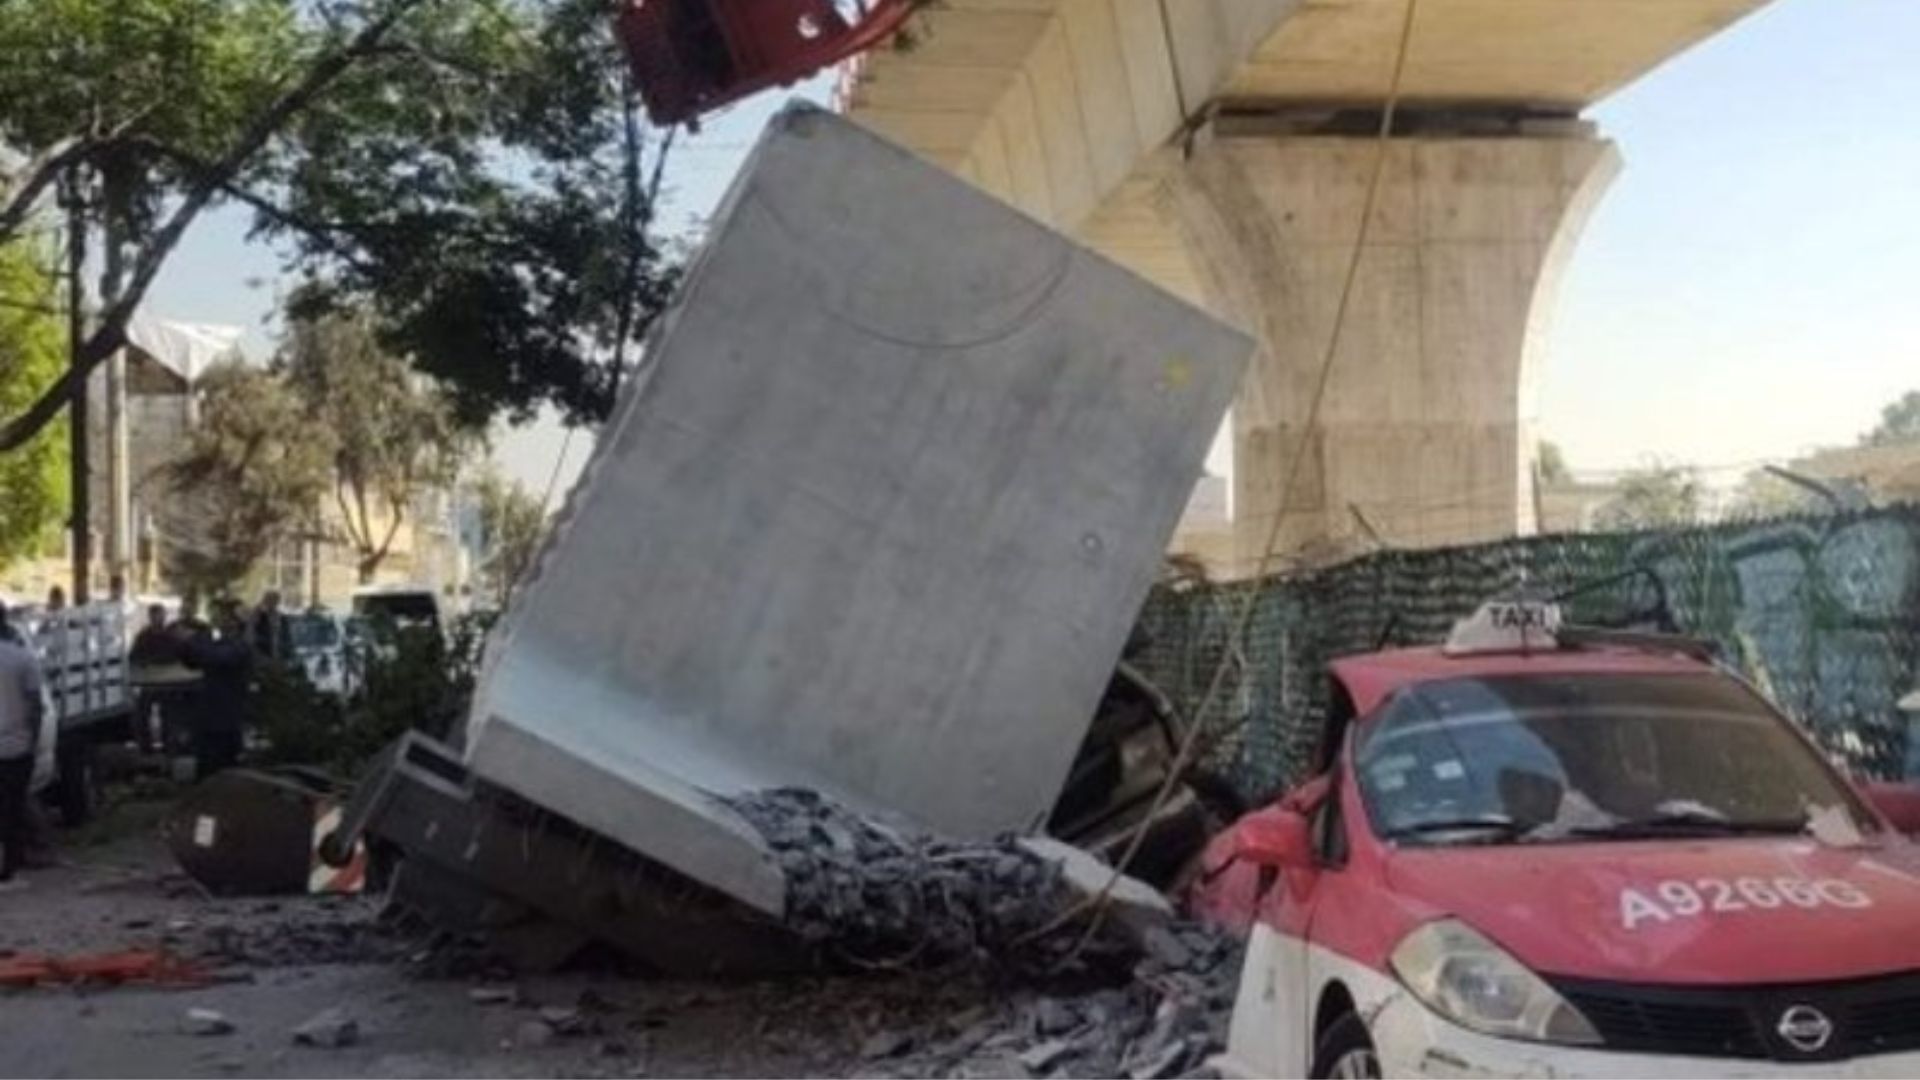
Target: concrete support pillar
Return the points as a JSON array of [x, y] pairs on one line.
[[1426, 425]]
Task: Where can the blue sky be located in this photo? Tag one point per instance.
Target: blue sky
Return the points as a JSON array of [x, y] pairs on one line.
[[1748, 288]]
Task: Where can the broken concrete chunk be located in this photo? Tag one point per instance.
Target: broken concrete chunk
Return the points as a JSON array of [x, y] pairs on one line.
[[1051, 1016], [206, 1022], [533, 1034], [1162, 1063], [1040, 1058], [1166, 947], [330, 1028], [885, 1044], [563, 1020], [1132, 904], [893, 891], [994, 1068]]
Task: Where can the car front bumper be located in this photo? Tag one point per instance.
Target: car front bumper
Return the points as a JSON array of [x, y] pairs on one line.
[[1412, 1041]]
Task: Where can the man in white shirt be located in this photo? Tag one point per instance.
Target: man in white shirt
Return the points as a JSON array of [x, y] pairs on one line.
[[20, 714]]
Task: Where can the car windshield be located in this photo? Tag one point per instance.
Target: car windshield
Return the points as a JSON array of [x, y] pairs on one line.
[[313, 632], [1561, 757]]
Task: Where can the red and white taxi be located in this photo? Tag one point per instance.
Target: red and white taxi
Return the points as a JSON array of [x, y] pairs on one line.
[[1524, 857]]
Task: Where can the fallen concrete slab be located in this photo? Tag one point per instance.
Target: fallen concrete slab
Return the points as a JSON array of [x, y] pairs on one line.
[[874, 521]]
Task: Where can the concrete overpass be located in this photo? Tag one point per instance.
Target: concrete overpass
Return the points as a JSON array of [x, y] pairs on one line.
[[1224, 149]]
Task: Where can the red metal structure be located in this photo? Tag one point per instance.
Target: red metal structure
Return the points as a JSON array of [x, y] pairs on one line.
[[693, 56]]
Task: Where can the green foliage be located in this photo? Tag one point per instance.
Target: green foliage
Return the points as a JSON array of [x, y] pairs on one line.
[[512, 524], [33, 479], [1654, 497], [469, 171], [300, 725], [483, 198], [412, 680], [251, 473], [187, 72], [393, 435], [1899, 422]]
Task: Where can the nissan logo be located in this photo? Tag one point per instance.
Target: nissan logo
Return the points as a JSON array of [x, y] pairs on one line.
[[1805, 1028]]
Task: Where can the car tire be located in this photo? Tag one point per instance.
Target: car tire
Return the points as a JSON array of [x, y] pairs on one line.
[[1345, 1050]]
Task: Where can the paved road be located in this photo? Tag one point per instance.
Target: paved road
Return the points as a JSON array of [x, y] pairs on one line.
[[304, 955]]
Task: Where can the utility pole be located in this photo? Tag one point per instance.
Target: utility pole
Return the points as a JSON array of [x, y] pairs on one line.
[[119, 483], [73, 197]]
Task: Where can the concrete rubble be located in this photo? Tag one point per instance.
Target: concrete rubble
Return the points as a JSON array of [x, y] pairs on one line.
[[892, 895], [889, 895], [1157, 1020], [331, 1028], [206, 1022]]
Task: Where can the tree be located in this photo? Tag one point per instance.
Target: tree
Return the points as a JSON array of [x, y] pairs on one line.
[[146, 112], [491, 205], [1899, 422], [471, 168], [251, 474], [512, 525], [393, 435], [33, 480], [1553, 463], [1654, 497]]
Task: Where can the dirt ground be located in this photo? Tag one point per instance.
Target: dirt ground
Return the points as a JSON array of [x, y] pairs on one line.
[[282, 961]]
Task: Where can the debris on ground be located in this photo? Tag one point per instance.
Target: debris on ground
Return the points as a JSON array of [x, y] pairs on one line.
[[533, 1034], [330, 1028], [887, 894], [206, 1022], [493, 995], [1160, 1021], [1153, 993]]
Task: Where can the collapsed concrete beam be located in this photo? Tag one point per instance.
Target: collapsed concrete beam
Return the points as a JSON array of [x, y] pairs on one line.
[[874, 523]]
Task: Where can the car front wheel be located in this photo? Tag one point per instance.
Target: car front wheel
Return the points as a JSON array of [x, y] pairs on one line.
[[1345, 1050]]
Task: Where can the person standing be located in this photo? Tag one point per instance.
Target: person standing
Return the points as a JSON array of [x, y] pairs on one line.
[[21, 713], [269, 630], [155, 656], [225, 664]]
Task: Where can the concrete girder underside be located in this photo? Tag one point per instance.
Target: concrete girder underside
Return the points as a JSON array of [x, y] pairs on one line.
[[1196, 141]]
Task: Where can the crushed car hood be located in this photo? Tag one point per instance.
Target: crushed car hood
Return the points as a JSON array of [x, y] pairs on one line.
[[1722, 911]]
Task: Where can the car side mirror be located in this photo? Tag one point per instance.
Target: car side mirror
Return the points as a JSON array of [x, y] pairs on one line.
[[1898, 803], [1277, 838]]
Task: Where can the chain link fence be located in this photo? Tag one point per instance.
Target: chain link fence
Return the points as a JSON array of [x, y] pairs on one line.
[[1821, 612]]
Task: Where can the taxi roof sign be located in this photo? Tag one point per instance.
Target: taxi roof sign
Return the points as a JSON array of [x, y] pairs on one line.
[[1504, 626]]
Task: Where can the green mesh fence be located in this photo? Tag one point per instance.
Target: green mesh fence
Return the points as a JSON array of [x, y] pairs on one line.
[[1823, 613]]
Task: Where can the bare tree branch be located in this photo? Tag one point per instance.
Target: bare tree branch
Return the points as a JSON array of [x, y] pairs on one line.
[[37, 176], [45, 167], [326, 233]]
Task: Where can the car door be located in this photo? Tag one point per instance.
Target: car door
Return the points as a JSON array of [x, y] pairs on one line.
[[1273, 1018]]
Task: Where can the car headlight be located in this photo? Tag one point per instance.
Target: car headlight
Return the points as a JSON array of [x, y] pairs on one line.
[[1468, 979]]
